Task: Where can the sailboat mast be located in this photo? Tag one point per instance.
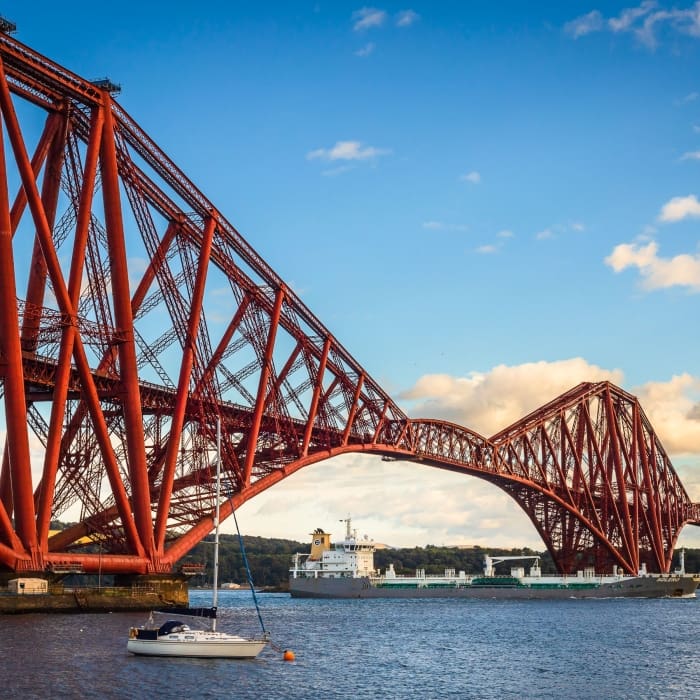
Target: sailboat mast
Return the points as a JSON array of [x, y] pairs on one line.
[[214, 601]]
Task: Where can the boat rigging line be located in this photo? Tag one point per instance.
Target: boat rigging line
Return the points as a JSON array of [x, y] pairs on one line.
[[287, 654]]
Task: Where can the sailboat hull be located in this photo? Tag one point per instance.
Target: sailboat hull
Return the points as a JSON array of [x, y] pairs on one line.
[[198, 644]]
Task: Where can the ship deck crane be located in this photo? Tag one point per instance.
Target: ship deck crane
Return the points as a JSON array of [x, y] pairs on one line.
[[490, 562]]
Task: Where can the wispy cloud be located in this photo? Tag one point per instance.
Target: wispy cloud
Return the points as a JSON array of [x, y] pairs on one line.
[[502, 237], [406, 18], [559, 230], [691, 155], [347, 150], [586, 24], [372, 18], [680, 208], [687, 99], [474, 177], [368, 18], [629, 16], [366, 50], [656, 272], [644, 22]]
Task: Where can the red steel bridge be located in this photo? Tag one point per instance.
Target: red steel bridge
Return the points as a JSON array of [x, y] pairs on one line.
[[134, 319]]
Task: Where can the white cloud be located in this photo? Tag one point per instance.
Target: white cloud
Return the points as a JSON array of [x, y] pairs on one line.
[[578, 227], [657, 273], [474, 177], [586, 24], [691, 155], [544, 234], [347, 150], [368, 18], [402, 504], [505, 234], [680, 208], [673, 410], [488, 402], [406, 18], [631, 255], [366, 50], [487, 249]]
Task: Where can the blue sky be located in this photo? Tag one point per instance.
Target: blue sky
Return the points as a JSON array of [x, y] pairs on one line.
[[485, 203]]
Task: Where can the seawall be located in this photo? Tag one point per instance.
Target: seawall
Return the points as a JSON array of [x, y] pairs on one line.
[[135, 593]]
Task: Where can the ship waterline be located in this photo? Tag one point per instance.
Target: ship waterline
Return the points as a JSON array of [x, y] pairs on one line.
[[346, 570]]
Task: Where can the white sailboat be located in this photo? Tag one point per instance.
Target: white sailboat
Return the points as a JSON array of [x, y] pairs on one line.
[[176, 638]]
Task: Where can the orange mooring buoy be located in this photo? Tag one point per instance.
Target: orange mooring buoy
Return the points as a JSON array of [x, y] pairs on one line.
[[288, 655]]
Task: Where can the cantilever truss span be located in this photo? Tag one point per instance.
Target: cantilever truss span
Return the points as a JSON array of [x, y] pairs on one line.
[[134, 318]]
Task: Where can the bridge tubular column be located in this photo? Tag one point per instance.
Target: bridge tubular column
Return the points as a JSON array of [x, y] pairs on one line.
[[265, 372], [314, 400], [156, 264], [8, 557], [53, 447], [133, 418], [631, 542], [7, 532], [354, 408], [53, 123], [36, 286], [380, 421], [183, 385], [11, 356], [639, 454]]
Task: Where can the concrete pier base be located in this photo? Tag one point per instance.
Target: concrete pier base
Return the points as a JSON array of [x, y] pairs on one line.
[[129, 593]]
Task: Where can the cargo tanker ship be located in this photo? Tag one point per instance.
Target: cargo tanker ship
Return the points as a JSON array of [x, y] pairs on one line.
[[346, 570]]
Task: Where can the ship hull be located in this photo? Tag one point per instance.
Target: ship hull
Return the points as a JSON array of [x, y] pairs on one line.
[[364, 587]]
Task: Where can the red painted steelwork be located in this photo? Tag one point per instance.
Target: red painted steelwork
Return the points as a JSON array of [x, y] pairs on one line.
[[121, 392]]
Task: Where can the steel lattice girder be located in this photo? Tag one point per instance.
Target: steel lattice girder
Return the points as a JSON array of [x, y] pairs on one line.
[[119, 372], [607, 493]]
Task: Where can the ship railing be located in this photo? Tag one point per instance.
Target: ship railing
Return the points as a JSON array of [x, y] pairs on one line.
[[328, 573]]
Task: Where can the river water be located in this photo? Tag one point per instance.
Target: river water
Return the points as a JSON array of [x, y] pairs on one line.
[[390, 649]]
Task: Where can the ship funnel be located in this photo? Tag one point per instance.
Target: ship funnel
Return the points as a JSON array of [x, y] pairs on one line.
[[320, 542]]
